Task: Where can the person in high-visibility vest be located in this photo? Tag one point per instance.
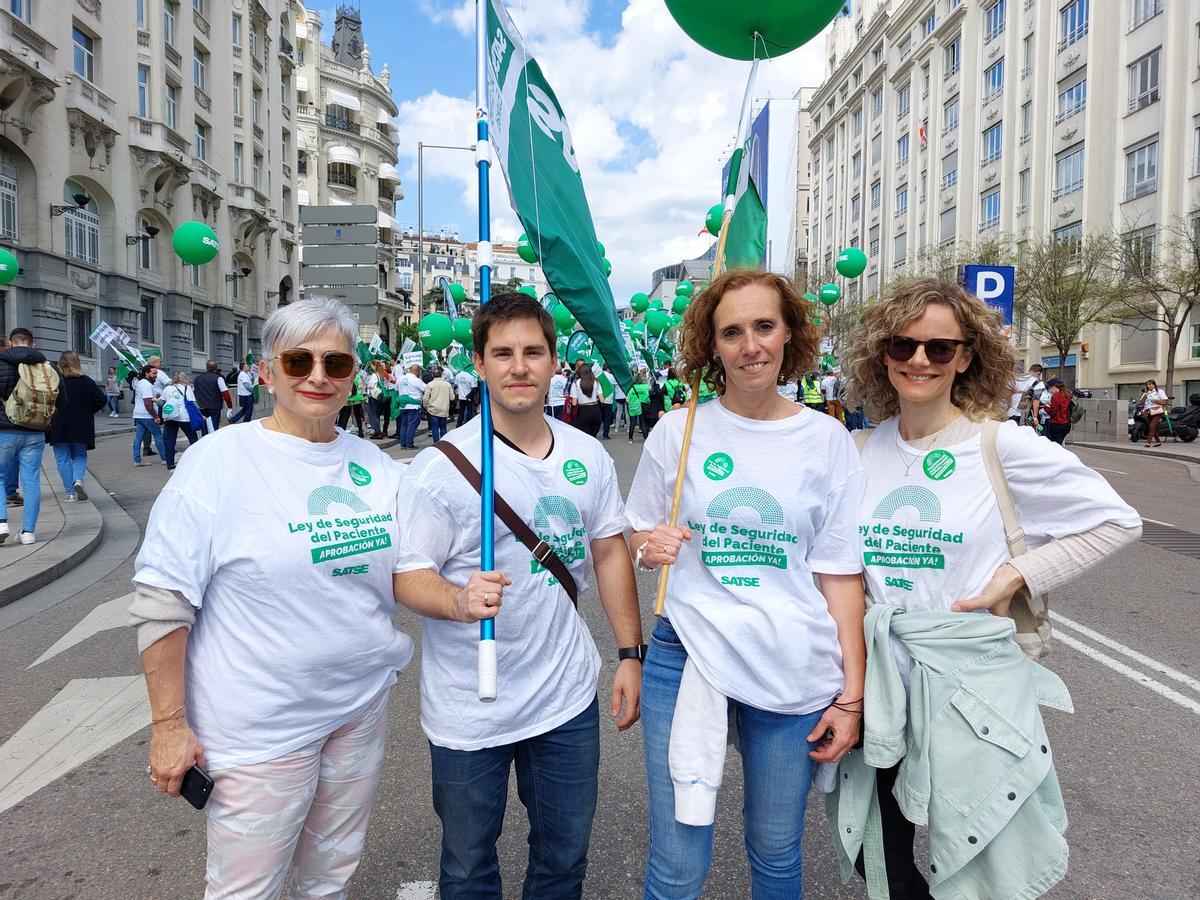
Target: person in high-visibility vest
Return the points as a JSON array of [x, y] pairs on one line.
[[812, 392]]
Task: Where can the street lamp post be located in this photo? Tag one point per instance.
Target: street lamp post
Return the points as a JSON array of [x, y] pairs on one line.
[[421, 146]]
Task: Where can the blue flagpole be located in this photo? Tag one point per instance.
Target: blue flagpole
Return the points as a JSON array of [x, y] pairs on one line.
[[487, 512]]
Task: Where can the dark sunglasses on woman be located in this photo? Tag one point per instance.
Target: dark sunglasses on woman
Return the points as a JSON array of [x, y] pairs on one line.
[[299, 363], [938, 351]]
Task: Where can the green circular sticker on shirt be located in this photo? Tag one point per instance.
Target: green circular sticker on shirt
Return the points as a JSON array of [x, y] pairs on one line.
[[168, 410], [939, 464], [575, 471], [359, 475], [719, 466]]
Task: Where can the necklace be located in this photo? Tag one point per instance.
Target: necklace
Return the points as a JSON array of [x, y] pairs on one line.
[[903, 454]]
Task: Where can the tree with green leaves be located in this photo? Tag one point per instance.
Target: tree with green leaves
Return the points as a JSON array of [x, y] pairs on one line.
[[1065, 284], [1161, 281]]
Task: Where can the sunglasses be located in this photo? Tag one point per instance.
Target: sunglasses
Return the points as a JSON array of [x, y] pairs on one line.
[[938, 351], [299, 363]]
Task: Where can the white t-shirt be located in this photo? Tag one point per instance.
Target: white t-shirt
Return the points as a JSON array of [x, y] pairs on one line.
[[618, 394], [558, 390], [829, 387], [245, 385], [465, 382], [788, 391], [769, 503], [143, 390], [286, 548], [583, 399], [1156, 402], [161, 380], [173, 397], [221, 385], [546, 659], [1023, 384], [410, 385], [935, 536]]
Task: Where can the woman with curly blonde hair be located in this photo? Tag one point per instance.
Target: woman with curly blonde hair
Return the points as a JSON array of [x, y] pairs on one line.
[[769, 502], [935, 362]]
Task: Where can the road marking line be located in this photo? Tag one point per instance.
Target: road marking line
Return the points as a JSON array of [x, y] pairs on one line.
[[417, 890], [1140, 677], [1146, 661], [106, 616], [1156, 522], [1114, 471]]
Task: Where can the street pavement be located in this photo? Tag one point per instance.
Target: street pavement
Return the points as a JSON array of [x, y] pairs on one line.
[[78, 818]]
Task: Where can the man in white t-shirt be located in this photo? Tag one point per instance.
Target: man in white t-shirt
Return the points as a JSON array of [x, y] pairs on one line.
[[411, 390], [557, 395], [245, 395], [464, 384], [545, 716], [1026, 400]]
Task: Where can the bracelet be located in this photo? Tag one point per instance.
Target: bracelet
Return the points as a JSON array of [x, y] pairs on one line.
[[638, 558], [176, 713]]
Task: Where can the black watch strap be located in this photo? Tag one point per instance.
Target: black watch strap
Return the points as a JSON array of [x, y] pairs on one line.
[[638, 653]]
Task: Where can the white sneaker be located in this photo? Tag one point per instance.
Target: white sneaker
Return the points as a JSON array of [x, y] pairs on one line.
[[26, 537], [112, 415], [3, 532], [79, 491], [69, 498]]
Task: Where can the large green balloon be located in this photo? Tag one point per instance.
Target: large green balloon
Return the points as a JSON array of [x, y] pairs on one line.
[[525, 250], [600, 247], [830, 294], [656, 304], [462, 333], [563, 320], [607, 267], [528, 290], [458, 292], [657, 321], [436, 331], [851, 262], [728, 29], [684, 289], [713, 220], [8, 266], [680, 304], [639, 303], [195, 243]]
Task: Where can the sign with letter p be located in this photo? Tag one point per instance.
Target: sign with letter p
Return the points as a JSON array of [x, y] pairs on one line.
[[993, 285]]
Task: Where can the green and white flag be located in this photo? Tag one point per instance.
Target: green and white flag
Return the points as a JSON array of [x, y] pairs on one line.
[[533, 146], [746, 243]]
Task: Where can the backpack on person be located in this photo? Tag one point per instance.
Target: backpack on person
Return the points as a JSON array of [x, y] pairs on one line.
[[1075, 412], [32, 401]]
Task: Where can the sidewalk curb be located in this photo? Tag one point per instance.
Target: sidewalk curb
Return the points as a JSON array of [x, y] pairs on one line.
[[1140, 451]]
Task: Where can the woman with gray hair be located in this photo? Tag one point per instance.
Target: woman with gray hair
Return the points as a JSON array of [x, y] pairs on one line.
[[269, 648]]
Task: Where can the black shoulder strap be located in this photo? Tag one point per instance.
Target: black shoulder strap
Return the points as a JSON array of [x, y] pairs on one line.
[[541, 551]]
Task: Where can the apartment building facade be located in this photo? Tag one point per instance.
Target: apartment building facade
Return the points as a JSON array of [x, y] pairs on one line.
[[956, 122]]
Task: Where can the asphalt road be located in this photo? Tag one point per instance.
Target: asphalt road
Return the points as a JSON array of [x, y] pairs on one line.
[[1128, 759]]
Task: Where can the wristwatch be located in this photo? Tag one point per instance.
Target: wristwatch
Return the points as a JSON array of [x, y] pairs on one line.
[[638, 653]]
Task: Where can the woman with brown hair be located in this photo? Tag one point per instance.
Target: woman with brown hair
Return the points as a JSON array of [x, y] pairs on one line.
[[73, 429], [585, 392], [934, 363], [769, 503]]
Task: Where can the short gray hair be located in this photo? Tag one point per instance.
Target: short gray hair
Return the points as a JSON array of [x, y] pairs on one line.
[[298, 322]]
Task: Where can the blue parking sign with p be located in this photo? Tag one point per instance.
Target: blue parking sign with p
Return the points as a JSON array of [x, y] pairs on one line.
[[993, 285]]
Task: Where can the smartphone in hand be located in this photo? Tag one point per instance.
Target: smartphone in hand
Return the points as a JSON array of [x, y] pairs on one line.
[[196, 787]]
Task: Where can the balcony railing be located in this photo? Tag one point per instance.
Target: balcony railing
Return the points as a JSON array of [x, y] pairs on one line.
[[950, 127], [992, 93], [1143, 100], [902, 162], [345, 179], [989, 224], [342, 124], [989, 159], [1141, 188], [1026, 70], [1066, 189], [954, 68], [1074, 36], [1022, 208], [1071, 111], [285, 46], [950, 179], [1195, 166], [1143, 12]]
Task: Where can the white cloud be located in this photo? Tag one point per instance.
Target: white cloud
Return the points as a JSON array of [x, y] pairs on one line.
[[648, 75]]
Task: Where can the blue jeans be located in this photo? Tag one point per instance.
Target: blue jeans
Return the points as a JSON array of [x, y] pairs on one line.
[[466, 411], [143, 428], [606, 417], [777, 774], [114, 403], [24, 448], [557, 775], [410, 418], [171, 435], [72, 464], [10, 474], [437, 427], [246, 413]]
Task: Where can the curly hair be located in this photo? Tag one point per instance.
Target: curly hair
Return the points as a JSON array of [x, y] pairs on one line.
[[983, 391], [698, 348]]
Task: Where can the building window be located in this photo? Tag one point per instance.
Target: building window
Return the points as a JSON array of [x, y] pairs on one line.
[[903, 100], [855, 208], [170, 15], [1144, 10], [1068, 172], [856, 163], [952, 56], [902, 199], [200, 68], [1026, 122], [1073, 20], [1023, 185], [925, 80], [139, 13], [145, 249], [1027, 45], [253, 40], [22, 9], [82, 227], [199, 332], [989, 209], [238, 155], [930, 23], [1072, 236], [143, 91], [85, 54], [1196, 341], [81, 330], [237, 93], [1139, 246], [856, 122], [950, 115], [197, 277], [993, 80], [902, 150], [171, 106], [1143, 81], [255, 105], [876, 193], [992, 140], [876, 103], [200, 141], [947, 225], [993, 21], [877, 148], [8, 197], [256, 172], [950, 169], [1141, 170], [148, 330], [1073, 100], [235, 31], [873, 242]]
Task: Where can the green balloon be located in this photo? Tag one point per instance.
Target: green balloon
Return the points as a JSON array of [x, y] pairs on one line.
[[436, 331], [525, 250], [462, 333], [712, 221], [563, 320], [607, 267], [657, 321], [639, 302], [729, 29], [600, 247], [195, 243], [528, 290], [9, 267], [676, 320], [811, 298], [656, 304], [680, 303], [817, 320], [851, 262], [458, 292], [830, 294], [684, 289]]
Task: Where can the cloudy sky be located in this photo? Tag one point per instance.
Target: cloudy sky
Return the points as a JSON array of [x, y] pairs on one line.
[[652, 115]]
